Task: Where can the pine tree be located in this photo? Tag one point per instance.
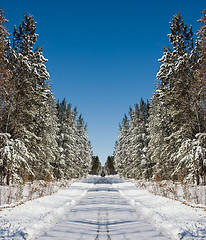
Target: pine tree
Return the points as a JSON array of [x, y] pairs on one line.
[[84, 152], [109, 165], [38, 139], [130, 155], [13, 153], [175, 110], [191, 160], [75, 155], [5, 73], [14, 158], [139, 140], [31, 117], [121, 158], [159, 131], [192, 153], [201, 71], [66, 138], [96, 165]]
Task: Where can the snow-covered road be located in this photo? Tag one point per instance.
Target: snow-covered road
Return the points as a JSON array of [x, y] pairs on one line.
[[100, 208], [103, 214]]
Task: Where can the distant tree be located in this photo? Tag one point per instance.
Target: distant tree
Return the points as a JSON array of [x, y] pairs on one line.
[[130, 155], [75, 154], [109, 165], [84, 151], [96, 165], [139, 139], [65, 166], [121, 158]]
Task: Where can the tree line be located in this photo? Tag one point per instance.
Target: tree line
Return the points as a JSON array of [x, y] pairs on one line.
[[165, 138], [40, 138]]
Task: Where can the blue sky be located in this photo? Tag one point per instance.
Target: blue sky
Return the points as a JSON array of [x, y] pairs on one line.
[[103, 54]]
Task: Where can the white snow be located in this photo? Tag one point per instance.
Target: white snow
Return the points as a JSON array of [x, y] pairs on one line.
[[174, 219], [102, 208], [34, 218]]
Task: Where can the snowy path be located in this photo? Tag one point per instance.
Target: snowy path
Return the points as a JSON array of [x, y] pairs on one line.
[[102, 209], [102, 214]]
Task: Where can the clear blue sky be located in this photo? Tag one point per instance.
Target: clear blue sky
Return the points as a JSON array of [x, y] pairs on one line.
[[103, 54]]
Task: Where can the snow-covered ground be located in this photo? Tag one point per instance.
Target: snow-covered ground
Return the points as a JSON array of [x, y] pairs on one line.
[[15, 194], [103, 214], [173, 218], [102, 208], [190, 194]]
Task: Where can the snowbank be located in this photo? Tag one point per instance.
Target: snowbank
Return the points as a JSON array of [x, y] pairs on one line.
[[15, 194], [189, 193], [35, 217], [174, 219]]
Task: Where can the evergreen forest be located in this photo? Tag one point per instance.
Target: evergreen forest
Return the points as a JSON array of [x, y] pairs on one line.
[[165, 138], [40, 138]]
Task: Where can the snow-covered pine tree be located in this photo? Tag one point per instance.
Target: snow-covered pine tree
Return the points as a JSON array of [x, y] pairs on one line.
[[46, 129], [174, 109], [31, 116], [5, 73], [14, 159], [201, 76], [191, 160], [131, 149], [139, 140], [13, 153], [201, 72], [66, 138], [130, 155], [121, 157], [159, 120], [75, 155], [192, 153], [84, 154]]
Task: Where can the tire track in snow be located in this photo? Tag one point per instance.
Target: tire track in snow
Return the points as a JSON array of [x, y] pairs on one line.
[[102, 214], [106, 223]]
